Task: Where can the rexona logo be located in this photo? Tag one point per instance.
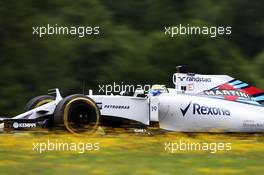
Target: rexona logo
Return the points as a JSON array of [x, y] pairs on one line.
[[205, 110], [195, 79], [24, 125]]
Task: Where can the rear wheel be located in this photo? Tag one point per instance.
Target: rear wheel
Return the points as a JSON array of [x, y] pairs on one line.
[[38, 101], [77, 113]]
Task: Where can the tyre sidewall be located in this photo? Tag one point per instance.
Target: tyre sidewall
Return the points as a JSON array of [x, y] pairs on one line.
[[59, 113]]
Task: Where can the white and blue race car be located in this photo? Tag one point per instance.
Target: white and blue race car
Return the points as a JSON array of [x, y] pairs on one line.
[[198, 103]]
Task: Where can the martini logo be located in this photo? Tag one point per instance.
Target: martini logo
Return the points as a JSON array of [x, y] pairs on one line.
[[226, 93], [205, 110]]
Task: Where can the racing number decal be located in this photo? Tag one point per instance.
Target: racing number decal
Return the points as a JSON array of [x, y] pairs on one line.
[[154, 108]]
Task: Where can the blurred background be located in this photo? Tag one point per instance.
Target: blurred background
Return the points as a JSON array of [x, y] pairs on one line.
[[131, 47]]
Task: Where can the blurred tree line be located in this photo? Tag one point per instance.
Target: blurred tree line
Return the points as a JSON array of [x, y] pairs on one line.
[[131, 47]]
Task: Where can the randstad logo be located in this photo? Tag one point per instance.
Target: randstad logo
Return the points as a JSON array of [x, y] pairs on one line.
[[205, 110]]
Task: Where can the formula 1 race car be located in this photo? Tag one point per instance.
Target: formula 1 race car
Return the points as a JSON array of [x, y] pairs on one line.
[[198, 103]]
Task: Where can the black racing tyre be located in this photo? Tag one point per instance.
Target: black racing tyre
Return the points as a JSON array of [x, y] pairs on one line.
[[77, 114], [38, 101]]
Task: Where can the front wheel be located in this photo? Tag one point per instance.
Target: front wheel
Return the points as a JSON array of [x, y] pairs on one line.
[[78, 114]]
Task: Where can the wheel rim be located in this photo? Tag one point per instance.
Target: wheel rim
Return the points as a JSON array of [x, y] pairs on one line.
[[81, 115]]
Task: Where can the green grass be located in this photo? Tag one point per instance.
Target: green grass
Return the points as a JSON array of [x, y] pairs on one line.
[[131, 154]]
